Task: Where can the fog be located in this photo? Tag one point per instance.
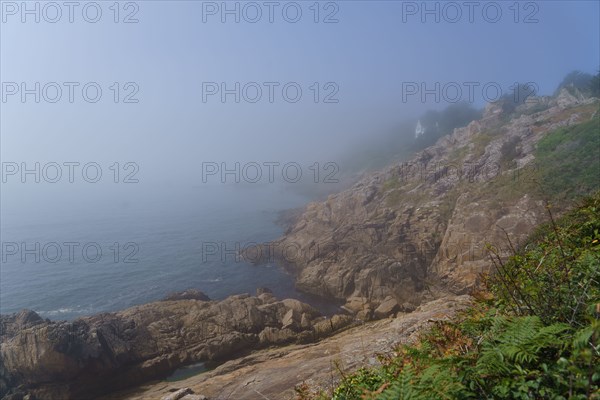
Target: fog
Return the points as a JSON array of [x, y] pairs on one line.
[[309, 92]]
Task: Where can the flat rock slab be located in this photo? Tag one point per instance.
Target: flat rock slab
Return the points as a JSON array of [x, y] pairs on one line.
[[273, 373]]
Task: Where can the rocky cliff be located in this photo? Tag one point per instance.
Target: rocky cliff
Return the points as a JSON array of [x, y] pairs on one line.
[[420, 229], [275, 373], [399, 238], [92, 355]]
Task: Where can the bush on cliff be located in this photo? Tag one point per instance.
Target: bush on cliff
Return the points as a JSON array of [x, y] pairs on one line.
[[536, 337]]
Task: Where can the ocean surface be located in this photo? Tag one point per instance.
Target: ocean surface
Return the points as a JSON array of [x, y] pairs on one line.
[[167, 245]]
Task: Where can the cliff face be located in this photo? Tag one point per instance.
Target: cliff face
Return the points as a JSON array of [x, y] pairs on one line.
[[414, 232], [419, 229], [92, 355]]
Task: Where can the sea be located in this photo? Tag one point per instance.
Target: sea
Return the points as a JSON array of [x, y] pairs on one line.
[[65, 262]]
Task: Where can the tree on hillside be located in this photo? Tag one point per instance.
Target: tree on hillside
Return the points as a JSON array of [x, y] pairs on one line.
[[577, 79]]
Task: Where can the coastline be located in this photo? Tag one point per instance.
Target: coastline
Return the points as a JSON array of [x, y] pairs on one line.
[[111, 351]]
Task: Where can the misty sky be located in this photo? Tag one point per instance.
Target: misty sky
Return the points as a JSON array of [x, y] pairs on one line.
[[170, 52]]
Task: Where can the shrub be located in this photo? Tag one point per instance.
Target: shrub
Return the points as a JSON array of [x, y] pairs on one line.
[[538, 337]]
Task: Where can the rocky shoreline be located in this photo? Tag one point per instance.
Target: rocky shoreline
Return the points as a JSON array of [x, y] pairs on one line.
[[89, 356], [275, 372], [418, 230], [394, 244]]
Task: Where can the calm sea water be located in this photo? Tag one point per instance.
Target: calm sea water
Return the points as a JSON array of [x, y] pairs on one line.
[[168, 239]]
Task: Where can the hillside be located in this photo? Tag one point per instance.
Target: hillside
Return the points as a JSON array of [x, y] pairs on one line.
[[534, 335], [419, 230], [546, 153], [409, 242]]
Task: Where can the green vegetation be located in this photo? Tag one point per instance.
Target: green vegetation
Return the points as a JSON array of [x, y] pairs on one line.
[[481, 140], [509, 153], [534, 334], [558, 272], [568, 159], [565, 168]]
